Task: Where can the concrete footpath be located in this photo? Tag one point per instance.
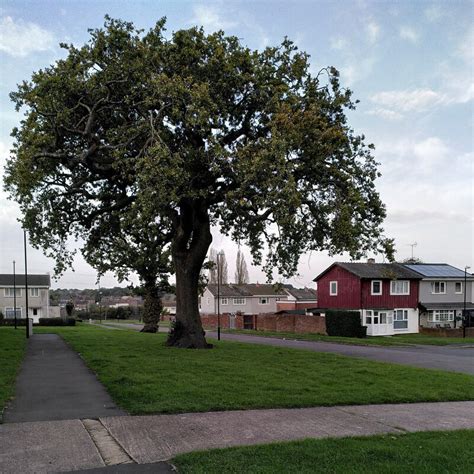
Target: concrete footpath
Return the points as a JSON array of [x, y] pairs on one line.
[[55, 384], [58, 446]]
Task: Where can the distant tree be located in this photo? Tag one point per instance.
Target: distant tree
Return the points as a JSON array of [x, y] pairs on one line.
[[222, 269], [69, 308], [241, 272], [186, 131], [412, 260], [212, 264]]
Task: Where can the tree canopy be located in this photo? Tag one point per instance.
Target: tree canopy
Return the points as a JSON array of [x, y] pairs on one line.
[[185, 133]]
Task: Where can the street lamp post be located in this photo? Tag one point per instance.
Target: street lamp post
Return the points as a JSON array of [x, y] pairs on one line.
[[14, 292], [464, 315], [218, 299], [26, 287]]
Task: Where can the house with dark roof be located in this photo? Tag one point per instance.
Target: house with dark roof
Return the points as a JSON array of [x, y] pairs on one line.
[[38, 296], [298, 299], [443, 289], [248, 299], [385, 294]]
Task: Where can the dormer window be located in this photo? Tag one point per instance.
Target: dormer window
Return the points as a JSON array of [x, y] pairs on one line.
[[376, 287]]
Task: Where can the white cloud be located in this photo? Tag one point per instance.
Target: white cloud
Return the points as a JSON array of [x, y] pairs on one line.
[[409, 34], [466, 47], [357, 69], [210, 18], [385, 113], [20, 38], [434, 13], [408, 100], [338, 43], [373, 31]]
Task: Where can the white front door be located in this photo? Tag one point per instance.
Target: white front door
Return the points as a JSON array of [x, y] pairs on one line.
[[35, 314]]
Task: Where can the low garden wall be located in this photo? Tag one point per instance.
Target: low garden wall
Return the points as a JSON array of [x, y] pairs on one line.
[[296, 323], [447, 332]]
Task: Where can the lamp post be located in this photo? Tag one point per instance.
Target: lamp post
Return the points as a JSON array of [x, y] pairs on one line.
[[464, 306], [26, 287], [218, 298], [14, 292]]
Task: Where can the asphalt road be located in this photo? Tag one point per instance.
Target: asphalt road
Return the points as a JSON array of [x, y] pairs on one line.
[[453, 358]]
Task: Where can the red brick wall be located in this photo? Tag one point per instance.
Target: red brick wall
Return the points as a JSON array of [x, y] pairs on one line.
[[296, 323], [446, 332]]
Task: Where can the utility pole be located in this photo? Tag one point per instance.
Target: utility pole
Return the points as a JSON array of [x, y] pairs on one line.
[[414, 244], [26, 287], [218, 298], [14, 292], [464, 312]]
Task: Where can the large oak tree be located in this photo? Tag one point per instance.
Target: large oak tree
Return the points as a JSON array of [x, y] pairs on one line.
[[186, 133]]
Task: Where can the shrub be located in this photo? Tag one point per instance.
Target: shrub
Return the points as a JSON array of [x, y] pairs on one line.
[[344, 324], [57, 322]]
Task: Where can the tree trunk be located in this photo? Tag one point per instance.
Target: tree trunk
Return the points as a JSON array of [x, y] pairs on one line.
[[189, 248], [152, 308]]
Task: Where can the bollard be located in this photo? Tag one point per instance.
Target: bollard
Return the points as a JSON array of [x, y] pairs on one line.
[[30, 326]]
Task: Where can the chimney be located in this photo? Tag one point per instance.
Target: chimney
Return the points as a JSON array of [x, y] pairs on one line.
[[371, 260]]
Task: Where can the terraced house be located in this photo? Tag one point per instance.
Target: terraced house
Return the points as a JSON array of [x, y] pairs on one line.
[[38, 296], [385, 294], [443, 290]]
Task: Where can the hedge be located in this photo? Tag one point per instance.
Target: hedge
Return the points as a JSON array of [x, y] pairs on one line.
[[57, 322], [344, 324]]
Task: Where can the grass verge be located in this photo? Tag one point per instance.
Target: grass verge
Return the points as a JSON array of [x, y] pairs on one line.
[[12, 350], [429, 452], [399, 340], [143, 376]]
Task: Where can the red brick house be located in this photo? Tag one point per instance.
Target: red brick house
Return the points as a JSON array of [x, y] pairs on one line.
[[386, 294]]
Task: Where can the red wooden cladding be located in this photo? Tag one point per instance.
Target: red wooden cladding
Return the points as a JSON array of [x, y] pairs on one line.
[[355, 293]]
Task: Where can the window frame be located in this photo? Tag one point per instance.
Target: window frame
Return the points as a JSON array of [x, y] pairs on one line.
[[19, 309], [461, 284], [11, 290], [331, 292], [224, 301], [403, 320], [403, 293], [34, 290], [435, 315], [235, 301], [266, 298], [372, 292], [433, 287]]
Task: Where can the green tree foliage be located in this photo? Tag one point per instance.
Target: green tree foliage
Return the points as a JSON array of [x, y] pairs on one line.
[[177, 134]]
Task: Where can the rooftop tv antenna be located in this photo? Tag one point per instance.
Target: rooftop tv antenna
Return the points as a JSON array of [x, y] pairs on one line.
[[413, 245]]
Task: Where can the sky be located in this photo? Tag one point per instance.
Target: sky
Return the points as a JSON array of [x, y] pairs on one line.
[[410, 63]]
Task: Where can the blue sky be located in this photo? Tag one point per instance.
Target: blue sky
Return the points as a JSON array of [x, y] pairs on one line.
[[410, 64]]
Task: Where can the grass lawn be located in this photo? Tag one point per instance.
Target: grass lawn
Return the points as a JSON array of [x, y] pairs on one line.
[[399, 340], [12, 349], [144, 376], [429, 452]]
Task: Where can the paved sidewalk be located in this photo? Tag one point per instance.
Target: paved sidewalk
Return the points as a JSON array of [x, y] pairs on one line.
[[58, 446], [55, 384]]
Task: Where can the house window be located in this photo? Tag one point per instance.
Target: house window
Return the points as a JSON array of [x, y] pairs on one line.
[[34, 292], [400, 319], [333, 288], [35, 311], [376, 287], [239, 301], [440, 316], [9, 293], [10, 313], [438, 287], [263, 301], [224, 301], [458, 288], [400, 287]]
